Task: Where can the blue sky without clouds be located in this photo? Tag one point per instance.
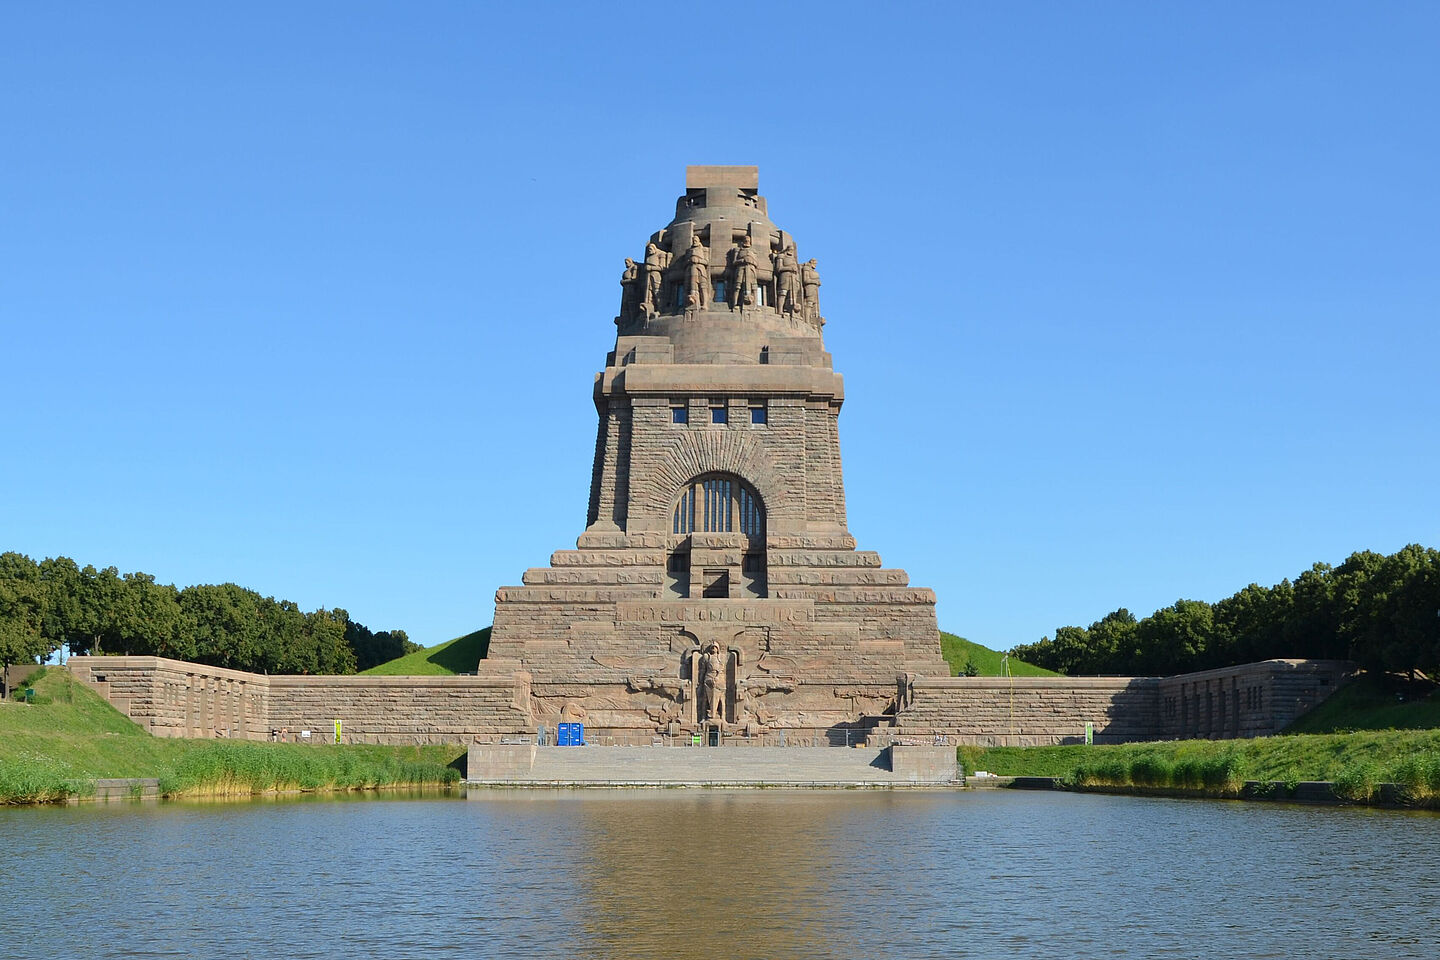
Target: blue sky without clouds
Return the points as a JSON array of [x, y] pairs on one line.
[[1134, 302]]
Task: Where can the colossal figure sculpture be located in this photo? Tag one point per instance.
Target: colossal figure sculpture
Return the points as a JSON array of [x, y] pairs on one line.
[[744, 270], [629, 295], [787, 289], [712, 684], [697, 283], [717, 571], [810, 280], [656, 260]]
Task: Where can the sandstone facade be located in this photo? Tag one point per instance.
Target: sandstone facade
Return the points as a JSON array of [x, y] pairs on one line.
[[716, 583], [172, 698], [715, 587], [1249, 700]]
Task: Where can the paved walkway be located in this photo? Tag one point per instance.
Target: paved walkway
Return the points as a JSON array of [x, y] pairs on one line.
[[707, 766]]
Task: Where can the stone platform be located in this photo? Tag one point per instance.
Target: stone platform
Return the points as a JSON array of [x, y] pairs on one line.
[[526, 765]]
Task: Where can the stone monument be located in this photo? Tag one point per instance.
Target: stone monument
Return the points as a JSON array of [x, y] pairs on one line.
[[716, 584]]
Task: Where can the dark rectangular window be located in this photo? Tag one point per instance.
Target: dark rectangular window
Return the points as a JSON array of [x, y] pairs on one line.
[[719, 415], [679, 415], [716, 584], [757, 414]]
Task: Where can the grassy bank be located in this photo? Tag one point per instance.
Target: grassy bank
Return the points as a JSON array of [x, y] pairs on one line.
[[1356, 762], [958, 652], [69, 737], [463, 653], [1375, 702], [454, 656]]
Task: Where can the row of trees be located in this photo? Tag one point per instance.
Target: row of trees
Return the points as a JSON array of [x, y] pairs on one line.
[[1380, 611], [44, 605]]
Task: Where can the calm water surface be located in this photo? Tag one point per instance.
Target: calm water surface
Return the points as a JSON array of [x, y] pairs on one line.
[[712, 874]]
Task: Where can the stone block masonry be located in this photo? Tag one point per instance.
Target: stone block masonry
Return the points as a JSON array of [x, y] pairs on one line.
[[716, 584], [1249, 700], [716, 588], [171, 698]]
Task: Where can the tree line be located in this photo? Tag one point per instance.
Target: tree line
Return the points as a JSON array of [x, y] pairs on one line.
[[44, 605], [1381, 611]]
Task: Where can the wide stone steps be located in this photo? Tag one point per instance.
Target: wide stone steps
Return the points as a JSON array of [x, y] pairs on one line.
[[752, 766]]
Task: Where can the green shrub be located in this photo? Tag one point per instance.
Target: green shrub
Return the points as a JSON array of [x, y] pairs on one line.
[[1358, 781]]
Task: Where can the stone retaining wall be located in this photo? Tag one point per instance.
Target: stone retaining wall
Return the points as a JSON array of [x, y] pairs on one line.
[[172, 698], [1031, 711], [1249, 700]]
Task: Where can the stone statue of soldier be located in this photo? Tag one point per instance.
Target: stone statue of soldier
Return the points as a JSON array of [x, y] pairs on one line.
[[712, 683], [656, 260], [810, 281], [697, 281], [629, 291], [744, 270], [787, 283]]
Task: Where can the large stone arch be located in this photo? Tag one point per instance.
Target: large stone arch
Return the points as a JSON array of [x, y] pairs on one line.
[[720, 451]]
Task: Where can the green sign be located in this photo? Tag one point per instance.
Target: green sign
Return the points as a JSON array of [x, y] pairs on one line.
[[337, 731], [1089, 732]]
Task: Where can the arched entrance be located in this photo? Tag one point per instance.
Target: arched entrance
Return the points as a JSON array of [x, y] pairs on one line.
[[717, 540]]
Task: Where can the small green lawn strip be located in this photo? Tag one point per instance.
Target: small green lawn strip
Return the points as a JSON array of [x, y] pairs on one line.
[[958, 651], [461, 655]]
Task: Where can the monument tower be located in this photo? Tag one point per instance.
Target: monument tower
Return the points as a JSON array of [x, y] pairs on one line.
[[716, 583]]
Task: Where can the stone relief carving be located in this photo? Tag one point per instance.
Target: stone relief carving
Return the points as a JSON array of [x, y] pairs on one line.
[[697, 278], [667, 687], [712, 683], [744, 272]]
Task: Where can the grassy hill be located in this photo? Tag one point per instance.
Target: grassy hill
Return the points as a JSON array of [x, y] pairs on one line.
[[69, 737], [453, 656], [463, 653], [1375, 703], [958, 651]]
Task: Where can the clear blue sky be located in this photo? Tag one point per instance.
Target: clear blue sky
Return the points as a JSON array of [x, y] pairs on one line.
[[1134, 302]]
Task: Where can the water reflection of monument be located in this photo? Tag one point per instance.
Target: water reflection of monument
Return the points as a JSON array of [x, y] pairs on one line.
[[716, 584], [768, 860]]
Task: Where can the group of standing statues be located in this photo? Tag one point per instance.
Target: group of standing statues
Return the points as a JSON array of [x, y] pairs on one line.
[[644, 286]]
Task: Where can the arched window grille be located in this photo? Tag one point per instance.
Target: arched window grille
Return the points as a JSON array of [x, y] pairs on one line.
[[718, 503]]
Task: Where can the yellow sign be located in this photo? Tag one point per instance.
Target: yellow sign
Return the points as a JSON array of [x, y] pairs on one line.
[[337, 731]]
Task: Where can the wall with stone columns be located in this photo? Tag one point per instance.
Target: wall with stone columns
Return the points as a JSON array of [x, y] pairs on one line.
[[172, 698], [1249, 700]]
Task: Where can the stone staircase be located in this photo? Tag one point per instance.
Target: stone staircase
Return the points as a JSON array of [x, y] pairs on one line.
[[525, 765]]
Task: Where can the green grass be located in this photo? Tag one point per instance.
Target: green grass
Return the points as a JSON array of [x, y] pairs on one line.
[[1372, 702], [55, 748], [957, 651], [1355, 762], [463, 653], [460, 655]]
